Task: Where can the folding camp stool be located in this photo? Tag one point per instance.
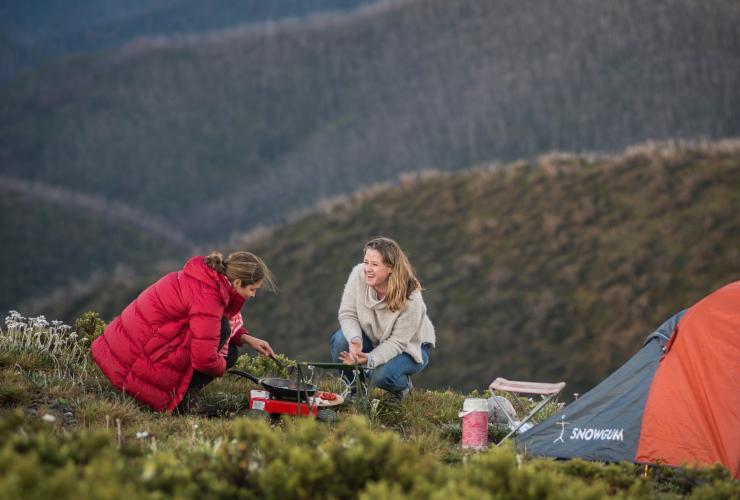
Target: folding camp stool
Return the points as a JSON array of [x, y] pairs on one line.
[[547, 391]]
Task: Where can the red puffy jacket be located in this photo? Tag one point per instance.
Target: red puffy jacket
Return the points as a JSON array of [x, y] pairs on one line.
[[169, 330]]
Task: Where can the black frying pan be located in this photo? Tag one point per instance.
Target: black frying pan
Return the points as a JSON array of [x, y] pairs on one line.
[[281, 388]]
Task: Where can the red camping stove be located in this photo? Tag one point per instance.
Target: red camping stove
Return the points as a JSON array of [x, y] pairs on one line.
[[262, 400]]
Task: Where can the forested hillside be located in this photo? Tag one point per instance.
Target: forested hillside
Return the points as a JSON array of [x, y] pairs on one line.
[[257, 122], [555, 269], [52, 235], [64, 27]]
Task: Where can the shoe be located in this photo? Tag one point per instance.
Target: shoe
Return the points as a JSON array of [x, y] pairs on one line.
[[396, 397], [192, 404]]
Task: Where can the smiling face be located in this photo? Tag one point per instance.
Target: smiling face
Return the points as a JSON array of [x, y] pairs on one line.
[[247, 291], [376, 271]]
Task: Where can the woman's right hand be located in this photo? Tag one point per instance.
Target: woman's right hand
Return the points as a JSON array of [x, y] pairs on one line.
[[350, 359], [355, 347], [259, 345]]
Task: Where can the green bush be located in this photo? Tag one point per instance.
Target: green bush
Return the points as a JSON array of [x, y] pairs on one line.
[[303, 459], [90, 325], [262, 366]]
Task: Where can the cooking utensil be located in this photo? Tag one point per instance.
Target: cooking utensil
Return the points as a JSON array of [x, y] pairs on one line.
[[284, 366], [281, 388]]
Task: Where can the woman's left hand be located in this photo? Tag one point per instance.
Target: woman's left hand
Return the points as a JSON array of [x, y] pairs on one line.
[[359, 358], [259, 345]]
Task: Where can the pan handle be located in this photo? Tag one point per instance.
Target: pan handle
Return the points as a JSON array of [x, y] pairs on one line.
[[244, 374]]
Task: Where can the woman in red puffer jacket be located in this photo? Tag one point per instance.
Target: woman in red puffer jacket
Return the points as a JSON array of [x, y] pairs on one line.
[[169, 340]]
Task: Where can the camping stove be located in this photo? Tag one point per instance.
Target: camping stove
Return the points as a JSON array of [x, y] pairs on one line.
[[264, 401]]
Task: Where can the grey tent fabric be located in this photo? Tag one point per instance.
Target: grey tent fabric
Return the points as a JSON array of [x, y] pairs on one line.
[[604, 424]]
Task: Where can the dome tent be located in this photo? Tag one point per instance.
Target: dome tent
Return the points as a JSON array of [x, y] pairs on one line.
[[675, 402]]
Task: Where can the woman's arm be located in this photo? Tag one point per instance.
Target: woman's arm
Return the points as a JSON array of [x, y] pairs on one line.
[[238, 330], [205, 327], [259, 345], [348, 320], [407, 325], [241, 336]]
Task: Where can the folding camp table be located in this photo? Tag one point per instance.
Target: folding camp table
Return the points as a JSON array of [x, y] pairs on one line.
[[356, 382], [547, 391]]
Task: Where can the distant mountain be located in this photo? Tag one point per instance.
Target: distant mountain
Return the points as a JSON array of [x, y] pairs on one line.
[[219, 133], [58, 240], [258, 122], [550, 270], [63, 27], [15, 59]]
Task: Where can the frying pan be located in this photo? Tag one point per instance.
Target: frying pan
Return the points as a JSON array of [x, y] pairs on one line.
[[281, 388]]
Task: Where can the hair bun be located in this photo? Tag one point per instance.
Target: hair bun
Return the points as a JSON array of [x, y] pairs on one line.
[[215, 260]]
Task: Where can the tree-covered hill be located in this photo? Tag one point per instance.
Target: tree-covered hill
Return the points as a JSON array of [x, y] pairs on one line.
[[242, 127], [216, 134], [555, 269], [64, 27], [50, 236]]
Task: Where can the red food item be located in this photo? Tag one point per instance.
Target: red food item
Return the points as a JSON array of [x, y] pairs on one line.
[[327, 396]]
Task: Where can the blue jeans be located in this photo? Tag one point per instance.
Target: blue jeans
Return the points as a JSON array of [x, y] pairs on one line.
[[392, 376]]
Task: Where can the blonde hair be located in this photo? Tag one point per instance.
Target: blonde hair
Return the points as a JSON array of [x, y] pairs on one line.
[[243, 266], [402, 281]]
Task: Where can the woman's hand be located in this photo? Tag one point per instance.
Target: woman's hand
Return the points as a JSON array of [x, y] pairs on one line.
[[259, 345], [348, 358], [355, 347], [355, 355]]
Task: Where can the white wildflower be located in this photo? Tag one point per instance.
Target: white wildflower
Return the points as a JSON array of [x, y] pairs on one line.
[[142, 435], [40, 322], [49, 418]]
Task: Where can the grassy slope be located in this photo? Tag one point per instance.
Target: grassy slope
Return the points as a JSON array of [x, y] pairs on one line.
[[553, 270], [66, 433]]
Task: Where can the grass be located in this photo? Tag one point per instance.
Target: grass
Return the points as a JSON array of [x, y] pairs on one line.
[[66, 431]]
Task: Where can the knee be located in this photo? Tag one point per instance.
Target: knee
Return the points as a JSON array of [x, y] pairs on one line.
[[385, 379], [338, 344], [338, 341]]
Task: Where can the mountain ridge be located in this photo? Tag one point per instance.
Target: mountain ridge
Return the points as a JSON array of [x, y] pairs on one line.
[[296, 114], [215, 138], [553, 269]]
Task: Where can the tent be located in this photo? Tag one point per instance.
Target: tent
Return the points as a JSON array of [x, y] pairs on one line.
[[675, 402]]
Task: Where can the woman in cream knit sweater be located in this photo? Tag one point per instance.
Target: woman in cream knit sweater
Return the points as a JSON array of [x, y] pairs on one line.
[[383, 319]]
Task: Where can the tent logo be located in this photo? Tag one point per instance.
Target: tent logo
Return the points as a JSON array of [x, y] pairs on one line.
[[588, 434], [597, 434], [562, 425]]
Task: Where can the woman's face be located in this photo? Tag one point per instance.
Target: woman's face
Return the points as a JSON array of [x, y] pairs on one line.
[[376, 272], [247, 291]]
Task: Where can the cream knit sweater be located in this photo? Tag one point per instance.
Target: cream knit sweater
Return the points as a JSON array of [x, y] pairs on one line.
[[390, 332]]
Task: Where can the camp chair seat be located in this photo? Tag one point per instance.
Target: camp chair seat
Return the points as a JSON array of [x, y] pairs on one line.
[[547, 391]]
